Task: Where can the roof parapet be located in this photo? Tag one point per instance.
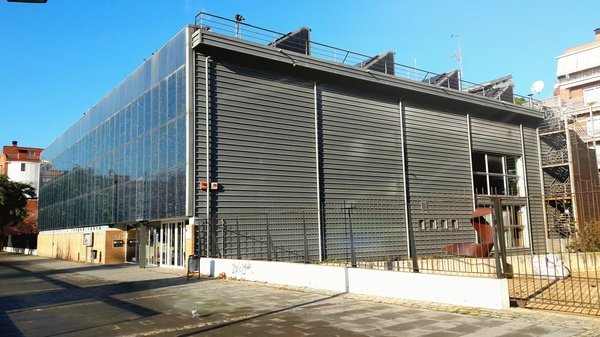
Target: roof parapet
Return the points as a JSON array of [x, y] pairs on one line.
[[298, 41], [383, 63]]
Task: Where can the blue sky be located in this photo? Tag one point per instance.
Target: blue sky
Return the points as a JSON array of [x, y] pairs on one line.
[[58, 59]]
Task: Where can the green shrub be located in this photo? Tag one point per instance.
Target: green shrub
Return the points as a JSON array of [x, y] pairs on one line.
[[588, 238]]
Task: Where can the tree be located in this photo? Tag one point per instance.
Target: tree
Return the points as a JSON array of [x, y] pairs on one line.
[[13, 199]]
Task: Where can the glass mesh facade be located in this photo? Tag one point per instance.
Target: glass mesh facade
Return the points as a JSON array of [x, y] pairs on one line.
[[124, 160]]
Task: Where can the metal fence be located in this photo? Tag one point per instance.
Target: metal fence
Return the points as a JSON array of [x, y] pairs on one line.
[[564, 275], [450, 234], [366, 233]]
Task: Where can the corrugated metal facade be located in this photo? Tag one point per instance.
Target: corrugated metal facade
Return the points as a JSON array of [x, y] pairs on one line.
[[439, 176], [534, 182], [262, 138], [361, 151], [262, 151], [334, 150]]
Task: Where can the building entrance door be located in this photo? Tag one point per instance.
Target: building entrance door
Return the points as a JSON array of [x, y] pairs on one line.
[[152, 247], [172, 244], [164, 244]]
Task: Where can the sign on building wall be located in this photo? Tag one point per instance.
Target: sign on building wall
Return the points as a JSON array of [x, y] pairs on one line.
[[88, 239]]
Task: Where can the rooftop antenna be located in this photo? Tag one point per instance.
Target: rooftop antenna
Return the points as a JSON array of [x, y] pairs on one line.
[[459, 59], [238, 18], [415, 68]]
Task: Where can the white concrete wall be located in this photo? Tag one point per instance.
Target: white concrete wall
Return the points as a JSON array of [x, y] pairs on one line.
[[30, 176], [459, 290], [466, 291], [293, 274]]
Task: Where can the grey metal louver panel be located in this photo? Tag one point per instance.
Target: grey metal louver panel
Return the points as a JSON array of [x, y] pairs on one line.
[[263, 156], [361, 142], [437, 151], [532, 164], [361, 171], [199, 134], [495, 137], [439, 177], [262, 137]]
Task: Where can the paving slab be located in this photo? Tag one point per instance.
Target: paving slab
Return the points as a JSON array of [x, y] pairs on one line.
[[47, 297]]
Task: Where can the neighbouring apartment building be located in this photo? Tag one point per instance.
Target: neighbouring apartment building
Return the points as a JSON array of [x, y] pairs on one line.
[[227, 143], [22, 164]]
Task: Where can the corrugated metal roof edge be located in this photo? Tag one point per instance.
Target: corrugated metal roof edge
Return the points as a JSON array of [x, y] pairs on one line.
[[211, 39]]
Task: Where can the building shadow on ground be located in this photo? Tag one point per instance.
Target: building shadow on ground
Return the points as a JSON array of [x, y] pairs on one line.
[[64, 292]]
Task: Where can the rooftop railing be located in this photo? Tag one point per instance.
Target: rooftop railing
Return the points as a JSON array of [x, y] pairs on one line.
[[451, 80]]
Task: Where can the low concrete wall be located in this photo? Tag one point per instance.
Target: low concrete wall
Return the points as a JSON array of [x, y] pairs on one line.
[[293, 274], [466, 291], [487, 293]]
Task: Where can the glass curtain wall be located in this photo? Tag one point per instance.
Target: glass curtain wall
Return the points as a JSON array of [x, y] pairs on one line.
[[124, 160]]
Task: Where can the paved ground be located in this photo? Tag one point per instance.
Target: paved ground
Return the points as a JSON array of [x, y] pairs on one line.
[[46, 297]]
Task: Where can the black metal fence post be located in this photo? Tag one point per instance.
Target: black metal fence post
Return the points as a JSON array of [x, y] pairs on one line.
[[237, 231], [498, 233], [269, 253], [222, 238], [213, 237], [352, 248], [412, 246], [305, 238]]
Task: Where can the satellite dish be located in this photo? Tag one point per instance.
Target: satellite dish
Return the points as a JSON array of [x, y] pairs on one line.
[[537, 87]]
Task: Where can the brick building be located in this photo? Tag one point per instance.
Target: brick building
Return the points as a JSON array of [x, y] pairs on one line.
[[22, 164]]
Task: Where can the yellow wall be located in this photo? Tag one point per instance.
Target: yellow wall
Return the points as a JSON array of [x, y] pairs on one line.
[[69, 246], [189, 242]]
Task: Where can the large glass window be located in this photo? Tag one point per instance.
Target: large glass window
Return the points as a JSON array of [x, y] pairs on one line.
[[112, 165], [502, 175], [497, 174]]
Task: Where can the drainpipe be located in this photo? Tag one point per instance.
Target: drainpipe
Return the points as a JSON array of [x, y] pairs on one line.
[[410, 238], [526, 187], [470, 139], [317, 164], [207, 129]]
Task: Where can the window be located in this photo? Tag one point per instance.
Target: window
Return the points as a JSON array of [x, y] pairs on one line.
[[497, 174], [591, 96], [22, 167], [515, 221], [502, 175], [593, 128]]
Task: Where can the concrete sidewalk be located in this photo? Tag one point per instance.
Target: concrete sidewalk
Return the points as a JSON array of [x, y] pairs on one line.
[[46, 297]]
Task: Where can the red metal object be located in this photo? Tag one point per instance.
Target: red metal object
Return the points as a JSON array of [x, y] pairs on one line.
[[485, 232]]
